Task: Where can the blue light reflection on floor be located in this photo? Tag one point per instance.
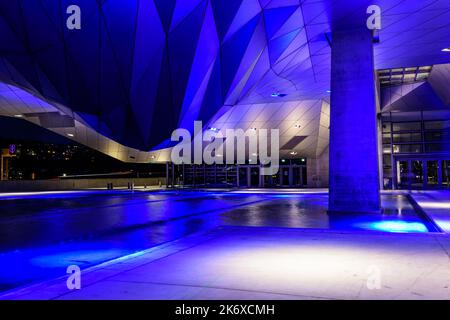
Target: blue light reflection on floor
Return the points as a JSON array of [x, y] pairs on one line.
[[393, 226], [94, 227], [23, 267], [284, 196]]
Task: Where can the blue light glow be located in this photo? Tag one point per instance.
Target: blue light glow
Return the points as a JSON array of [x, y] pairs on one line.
[[394, 226], [284, 196], [63, 259]]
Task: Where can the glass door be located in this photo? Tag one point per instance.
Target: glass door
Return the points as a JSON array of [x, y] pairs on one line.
[[445, 173], [254, 176], [432, 174], [403, 175], [285, 176], [413, 174], [416, 174], [243, 178], [297, 178]]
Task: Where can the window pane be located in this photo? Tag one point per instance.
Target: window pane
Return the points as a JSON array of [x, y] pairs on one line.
[[437, 147], [437, 136], [415, 116], [436, 115], [407, 148], [407, 126], [407, 137], [386, 138], [387, 161], [387, 149], [437, 125], [386, 127]]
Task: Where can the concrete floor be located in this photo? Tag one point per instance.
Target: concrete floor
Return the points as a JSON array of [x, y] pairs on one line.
[[232, 245], [270, 263]]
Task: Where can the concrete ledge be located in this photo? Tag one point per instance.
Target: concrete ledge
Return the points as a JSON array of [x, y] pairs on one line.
[[74, 184], [435, 205]]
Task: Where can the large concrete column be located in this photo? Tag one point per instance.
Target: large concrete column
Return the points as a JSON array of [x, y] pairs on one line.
[[354, 171]]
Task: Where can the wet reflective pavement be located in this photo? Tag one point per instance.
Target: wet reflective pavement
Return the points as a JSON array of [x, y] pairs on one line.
[[42, 234]]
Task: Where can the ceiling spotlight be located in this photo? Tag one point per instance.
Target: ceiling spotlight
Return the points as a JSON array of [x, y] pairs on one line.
[[297, 125], [214, 129], [71, 135], [328, 91], [18, 116], [278, 95], [446, 49], [293, 153]]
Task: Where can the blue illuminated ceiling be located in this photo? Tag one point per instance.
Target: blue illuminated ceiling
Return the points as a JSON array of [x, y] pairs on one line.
[[138, 69]]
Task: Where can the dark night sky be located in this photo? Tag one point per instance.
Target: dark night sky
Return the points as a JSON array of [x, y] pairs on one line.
[[12, 129]]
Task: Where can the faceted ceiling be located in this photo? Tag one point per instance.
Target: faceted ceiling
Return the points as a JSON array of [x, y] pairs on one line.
[[138, 69]]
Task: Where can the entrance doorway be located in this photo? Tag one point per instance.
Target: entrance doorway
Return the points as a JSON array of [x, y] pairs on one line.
[[289, 176], [414, 174], [231, 176], [446, 174]]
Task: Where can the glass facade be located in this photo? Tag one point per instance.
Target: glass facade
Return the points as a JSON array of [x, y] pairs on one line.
[[416, 149], [292, 174], [399, 76]]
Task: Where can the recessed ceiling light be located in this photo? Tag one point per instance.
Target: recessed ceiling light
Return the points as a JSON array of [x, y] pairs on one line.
[[18, 116], [278, 95], [71, 135], [446, 49], [293, 153]]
